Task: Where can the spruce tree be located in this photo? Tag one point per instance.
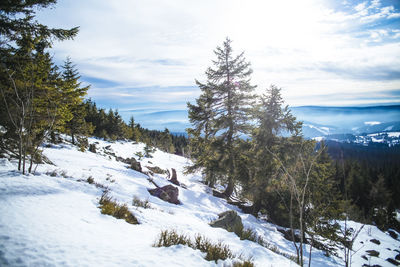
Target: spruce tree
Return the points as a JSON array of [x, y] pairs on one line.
[[273, 120], [222, 111], [73, 94]]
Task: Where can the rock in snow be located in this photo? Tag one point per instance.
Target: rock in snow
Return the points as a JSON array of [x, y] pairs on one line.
[[167, 193]]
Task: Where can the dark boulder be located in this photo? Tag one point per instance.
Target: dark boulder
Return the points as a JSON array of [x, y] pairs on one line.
[[168, 193], [135, 165], [229, 220], [375, 241], [373, 253], [393, 234], [392, 261]]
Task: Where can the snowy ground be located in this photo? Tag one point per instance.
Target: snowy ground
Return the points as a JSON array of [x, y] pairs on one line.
[[48, 220]]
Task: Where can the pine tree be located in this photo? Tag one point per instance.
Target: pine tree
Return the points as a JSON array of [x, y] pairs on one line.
[[222, 111], [29, 81], [272, 120], [73, 95]]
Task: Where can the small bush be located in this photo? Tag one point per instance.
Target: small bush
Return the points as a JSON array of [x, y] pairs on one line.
[[246, 263], [110, 207], [214, 252], [171, 238], [249, 234], [137, 202], [90, 180], [139, 155]]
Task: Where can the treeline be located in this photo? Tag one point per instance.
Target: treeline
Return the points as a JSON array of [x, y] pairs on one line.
[[371, 178], [40, 100], [238, 139], [109, 125]]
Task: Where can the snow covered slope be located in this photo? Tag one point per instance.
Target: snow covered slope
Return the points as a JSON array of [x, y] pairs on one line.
[[52, 218]]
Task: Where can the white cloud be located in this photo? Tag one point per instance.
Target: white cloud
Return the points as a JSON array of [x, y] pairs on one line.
[[303, 46]]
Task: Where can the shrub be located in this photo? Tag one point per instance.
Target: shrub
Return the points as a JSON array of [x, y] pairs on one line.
[[110, 207], [137, 202], [248, 234], [90, 180], [214, 252], [246, 263], [171, 238], [139, 155]]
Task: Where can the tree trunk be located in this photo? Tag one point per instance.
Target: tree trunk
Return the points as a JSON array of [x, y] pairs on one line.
[[229, 189], [311, 245], [20, 153], [73, 138], [256, 207]]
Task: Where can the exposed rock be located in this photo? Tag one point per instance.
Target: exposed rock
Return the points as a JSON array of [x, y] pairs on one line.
[[156, 169], [392, 261], [373, 253], [174, 178], [364, 257], [397, 257], [375, 241], [92, 148], [393, 234], [229, 220], [167, 193], [135, 165]]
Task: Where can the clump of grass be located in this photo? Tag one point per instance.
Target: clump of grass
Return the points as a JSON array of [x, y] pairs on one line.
[[214, 252], [246, 263], [249, 234], [137, 202], [111, 207], [171, 238]]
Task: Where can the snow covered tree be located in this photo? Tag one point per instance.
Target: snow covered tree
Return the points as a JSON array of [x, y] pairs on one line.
[[222, 111]]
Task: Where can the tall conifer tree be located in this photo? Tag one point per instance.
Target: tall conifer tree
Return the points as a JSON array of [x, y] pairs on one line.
[[73, 94], [221, 115]]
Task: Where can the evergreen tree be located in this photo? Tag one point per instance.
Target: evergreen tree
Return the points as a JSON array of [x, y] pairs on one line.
[[73, 95], [30, 83], [222, 111], [273, 119]]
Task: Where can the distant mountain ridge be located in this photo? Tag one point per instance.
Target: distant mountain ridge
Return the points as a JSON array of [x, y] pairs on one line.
[[318, 121]]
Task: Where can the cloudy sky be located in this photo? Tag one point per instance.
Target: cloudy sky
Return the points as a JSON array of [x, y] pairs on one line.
[[146, 54]]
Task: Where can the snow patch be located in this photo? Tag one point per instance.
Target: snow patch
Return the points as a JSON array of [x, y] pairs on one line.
[[372, 123]]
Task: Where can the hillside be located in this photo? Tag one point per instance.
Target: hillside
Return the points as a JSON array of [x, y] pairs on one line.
[[52, 217]]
